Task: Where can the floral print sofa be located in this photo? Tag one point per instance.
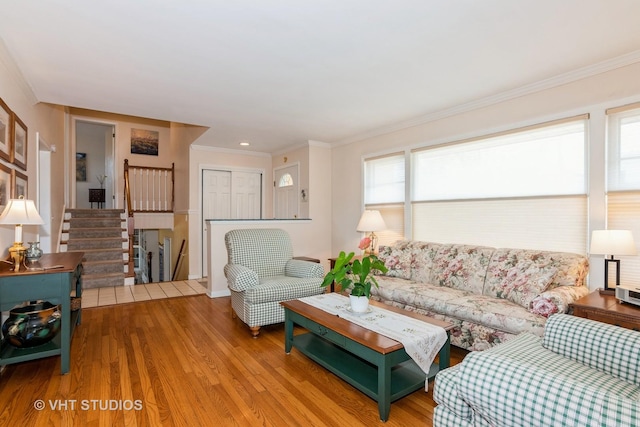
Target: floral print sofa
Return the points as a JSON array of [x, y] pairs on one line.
[[489, 294]]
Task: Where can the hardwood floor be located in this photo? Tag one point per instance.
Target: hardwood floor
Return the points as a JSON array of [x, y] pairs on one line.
[[186, 362]]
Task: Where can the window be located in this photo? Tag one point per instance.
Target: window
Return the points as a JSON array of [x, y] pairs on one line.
[[286, 180], [384, 180], [384, 190], [623, 181], [499, 190]]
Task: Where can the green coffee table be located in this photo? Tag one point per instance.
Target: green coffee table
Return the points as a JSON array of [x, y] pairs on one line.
[[374, 364]]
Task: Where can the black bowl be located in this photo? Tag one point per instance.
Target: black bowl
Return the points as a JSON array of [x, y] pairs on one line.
[[32, 324]]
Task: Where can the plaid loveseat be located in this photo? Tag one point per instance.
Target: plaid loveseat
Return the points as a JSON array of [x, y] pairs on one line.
[[489, 294], [261, 272], [580, 373]]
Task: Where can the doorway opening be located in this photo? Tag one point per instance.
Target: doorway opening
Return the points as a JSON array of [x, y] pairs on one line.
[[94, 163]]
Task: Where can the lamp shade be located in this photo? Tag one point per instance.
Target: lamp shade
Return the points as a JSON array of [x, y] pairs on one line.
[[21, 211], [371, 221], [612, 242]]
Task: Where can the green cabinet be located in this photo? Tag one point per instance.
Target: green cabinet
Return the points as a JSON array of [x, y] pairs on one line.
[[59, 278]]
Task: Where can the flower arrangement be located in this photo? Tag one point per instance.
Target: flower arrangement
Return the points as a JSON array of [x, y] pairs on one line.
[[356, 274], [101, 179]]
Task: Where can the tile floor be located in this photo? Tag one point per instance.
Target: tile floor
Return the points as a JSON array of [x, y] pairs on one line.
[[99, 297]]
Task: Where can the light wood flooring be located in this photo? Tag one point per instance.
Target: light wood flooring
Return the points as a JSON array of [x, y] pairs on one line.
[[185, 362]]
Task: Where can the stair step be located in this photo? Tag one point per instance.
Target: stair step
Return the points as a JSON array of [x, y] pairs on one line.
[[101, 235], [102, 280], [94, 222], [95, 243], [95, 213], [95, 232], [102, 267], [103, 254]]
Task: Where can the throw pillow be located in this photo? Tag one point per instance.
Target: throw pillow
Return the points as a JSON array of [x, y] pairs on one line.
[[398, 261], [524, 282]]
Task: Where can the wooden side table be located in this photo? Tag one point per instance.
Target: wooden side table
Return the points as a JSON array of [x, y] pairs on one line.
[[97, 195], [607, 309], [55, 283]]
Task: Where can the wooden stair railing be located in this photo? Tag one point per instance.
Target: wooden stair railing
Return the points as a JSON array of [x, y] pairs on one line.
[[153, 192]]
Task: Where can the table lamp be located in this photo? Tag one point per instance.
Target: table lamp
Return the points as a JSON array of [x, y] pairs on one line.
[[19, 212], [370, 222], [612, 242]]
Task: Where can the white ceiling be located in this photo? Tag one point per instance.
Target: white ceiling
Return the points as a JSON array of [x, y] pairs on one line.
[[280, 72]]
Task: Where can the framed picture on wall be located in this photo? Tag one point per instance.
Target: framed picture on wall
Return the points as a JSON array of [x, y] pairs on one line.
[[5, 186], [144, 141], [5, 131], [81, 167], [18, 184], [19, 144]]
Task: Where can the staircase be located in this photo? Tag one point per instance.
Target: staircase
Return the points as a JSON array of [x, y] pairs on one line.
[[102, 235]]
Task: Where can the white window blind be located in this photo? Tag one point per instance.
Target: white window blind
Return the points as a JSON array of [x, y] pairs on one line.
[[623, 213], [546, 160], [384, 190], [553, 224], [623, 182], [522, 189], [623, 151], [384, 180]]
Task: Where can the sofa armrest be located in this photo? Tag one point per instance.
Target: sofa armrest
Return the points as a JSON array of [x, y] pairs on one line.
[[557, 300], [604, 347], [521, 383], [303, 269], [239, 277]]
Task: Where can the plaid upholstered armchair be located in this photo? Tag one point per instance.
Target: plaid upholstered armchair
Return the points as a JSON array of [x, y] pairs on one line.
[[261, 272]]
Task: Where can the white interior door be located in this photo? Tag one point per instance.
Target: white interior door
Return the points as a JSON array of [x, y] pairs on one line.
[[246, 195], [286, 192], [229, 195]]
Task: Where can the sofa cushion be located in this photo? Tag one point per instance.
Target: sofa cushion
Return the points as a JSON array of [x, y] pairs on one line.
[[523, 282], [461, 266], [282, 288], [422, 257], [571, 269], [397, 259], [500, 314], [509, 269]]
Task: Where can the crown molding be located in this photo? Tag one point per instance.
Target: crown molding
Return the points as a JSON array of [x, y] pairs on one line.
[[559, 80], [14, 71]]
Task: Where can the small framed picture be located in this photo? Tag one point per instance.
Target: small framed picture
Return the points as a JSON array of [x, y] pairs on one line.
[[5, 186], [19, 183], [81, 167], [145, 142], [5, 131], [19, 145]]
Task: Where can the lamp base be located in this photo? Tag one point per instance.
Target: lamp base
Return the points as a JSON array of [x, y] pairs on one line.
[[16, 252]]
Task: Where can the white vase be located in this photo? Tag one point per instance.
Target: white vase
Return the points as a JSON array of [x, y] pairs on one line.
[[359, 304]]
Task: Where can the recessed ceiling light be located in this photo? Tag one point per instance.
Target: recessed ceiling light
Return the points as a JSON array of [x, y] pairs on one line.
[[244, 143]]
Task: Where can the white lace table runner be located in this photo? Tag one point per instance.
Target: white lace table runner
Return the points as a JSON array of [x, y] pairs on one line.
[[422, 341]]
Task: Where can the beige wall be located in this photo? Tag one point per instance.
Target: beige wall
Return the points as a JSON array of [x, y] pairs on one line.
[[45, 119], [123, 125], [588, 95]]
